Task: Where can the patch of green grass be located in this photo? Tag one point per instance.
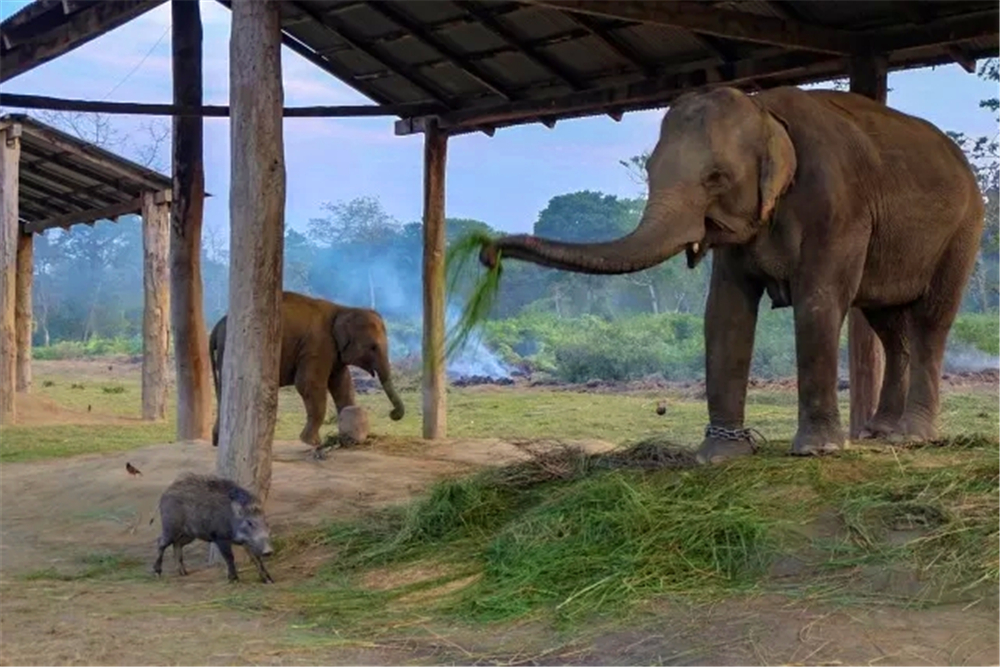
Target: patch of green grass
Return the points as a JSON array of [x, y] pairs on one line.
[[568, 536]]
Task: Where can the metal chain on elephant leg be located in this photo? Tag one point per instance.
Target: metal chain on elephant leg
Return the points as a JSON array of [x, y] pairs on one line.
[[751, 435]]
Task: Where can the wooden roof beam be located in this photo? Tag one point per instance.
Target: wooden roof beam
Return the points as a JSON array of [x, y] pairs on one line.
[[339, 29], [703, 19], [89, 23], [489, 22], [472, 70], [612, 43], [949, 30], [646, 93], [85, 217]]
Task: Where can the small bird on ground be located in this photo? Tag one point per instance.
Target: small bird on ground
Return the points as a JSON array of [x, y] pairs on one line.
[[88, 407], [132, 470], [661, 408]]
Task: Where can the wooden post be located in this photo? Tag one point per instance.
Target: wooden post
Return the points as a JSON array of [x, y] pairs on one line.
[[257, 219], [187, 315], [156, 304], [434, 384], [865, 353], [10, 156], [23, 316]]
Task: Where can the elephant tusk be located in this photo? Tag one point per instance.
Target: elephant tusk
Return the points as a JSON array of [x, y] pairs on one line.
[[695, 247]]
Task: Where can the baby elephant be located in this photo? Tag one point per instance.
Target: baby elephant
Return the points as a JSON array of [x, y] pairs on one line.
[[216, 510]]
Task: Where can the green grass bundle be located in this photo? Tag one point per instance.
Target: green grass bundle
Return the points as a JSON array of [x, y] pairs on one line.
[[484, 293]]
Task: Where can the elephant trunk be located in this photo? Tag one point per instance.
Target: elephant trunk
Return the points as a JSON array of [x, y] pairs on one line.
[[668, 226], [385, 377]]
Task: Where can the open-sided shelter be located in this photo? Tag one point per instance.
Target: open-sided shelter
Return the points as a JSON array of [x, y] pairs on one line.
[[448, 67], [50, 180]]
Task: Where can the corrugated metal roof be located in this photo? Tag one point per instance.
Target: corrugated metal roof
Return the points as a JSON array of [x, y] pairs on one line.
[[65, 180], [481, 60]]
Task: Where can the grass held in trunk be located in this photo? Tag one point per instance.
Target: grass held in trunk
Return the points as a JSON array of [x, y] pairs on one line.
[[483, 294]]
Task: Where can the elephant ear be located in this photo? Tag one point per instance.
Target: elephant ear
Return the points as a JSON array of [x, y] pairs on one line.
[[343, 328], [777, 163]]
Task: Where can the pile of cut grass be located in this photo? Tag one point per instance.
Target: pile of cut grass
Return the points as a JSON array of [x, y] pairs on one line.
[[572, 534]]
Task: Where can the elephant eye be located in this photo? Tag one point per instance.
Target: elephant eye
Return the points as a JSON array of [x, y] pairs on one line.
[[716, 178]]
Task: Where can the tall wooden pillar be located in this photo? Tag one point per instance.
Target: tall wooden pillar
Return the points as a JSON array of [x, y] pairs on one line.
[[434, 380], [10, 156], [23, 316], [866, 356], [257, 219], [187, 315], [156, 303]]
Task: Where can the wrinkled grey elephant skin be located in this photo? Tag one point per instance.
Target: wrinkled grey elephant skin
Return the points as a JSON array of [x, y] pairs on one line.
[[319, 340], [824, 200]]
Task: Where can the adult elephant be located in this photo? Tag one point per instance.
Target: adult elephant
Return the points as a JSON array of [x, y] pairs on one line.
[[825, 200], [319, 340]]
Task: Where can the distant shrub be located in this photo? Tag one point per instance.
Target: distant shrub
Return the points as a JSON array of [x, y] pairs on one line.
[[95, 347], [979, 330]]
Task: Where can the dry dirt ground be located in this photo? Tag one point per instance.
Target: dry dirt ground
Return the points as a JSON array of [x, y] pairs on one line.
[[55, 514]]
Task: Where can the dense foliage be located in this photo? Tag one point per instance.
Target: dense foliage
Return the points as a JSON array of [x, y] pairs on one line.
[[88, 289]]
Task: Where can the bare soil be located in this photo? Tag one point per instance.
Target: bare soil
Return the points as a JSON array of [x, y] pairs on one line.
[[57, 514]]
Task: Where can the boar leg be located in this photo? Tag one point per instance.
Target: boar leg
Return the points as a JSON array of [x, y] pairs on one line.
[[265, 576], [227, 552]]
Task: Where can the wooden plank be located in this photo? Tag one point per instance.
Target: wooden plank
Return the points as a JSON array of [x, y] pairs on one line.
[[865, 354], [60, 142], [701, 18], [106, 213], [10, 153], [23, 315], [80, 28], [640, 94], [257, 220], [435, 419], [189, 110], [156, 306], [187, 314], [948, 30]]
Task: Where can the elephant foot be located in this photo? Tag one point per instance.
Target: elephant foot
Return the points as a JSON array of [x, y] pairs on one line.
[[879, 428], [914, 429], [319, 453], [721, 444], [818, 442]]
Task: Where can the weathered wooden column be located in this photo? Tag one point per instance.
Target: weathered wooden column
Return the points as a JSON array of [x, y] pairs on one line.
[[187, 315], [23, 316], [434, 380], [156, 304], [866, 356], [10, 156], [257, 220]]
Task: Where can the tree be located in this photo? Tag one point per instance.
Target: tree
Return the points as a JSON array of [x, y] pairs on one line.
[[361, 223]]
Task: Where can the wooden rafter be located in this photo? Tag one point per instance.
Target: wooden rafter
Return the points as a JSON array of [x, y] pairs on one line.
[[645, 93], [341, 30], [703, 19], [89, 22], [612, 43], [471, 69], [535, 55]]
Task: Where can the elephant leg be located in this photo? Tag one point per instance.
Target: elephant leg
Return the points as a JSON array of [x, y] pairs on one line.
[[341, 387], [820, 308], [313, 393], [730, 322], [892, 327], [931, 318]]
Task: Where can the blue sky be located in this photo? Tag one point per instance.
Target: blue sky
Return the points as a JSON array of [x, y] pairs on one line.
[[516, 173]]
